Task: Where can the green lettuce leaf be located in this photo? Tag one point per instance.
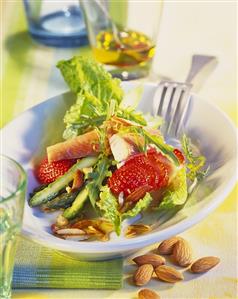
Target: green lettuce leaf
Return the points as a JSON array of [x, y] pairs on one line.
[[95, 88], [87, 113], [141, 205], [97, 176], [176, 194], [108, 204], [85, 74]]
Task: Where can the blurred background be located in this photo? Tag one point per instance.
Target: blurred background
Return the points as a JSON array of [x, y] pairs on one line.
[[180, 29]]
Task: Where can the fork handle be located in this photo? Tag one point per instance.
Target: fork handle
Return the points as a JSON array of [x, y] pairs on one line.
[[198, 63]]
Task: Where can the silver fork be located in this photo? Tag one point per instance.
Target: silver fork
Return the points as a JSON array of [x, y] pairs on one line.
[[171, 99]]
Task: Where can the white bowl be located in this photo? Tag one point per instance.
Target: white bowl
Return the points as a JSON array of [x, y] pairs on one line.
[[26, 137]]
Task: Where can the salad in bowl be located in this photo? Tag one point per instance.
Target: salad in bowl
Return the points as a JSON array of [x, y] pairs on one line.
[[113, 165]]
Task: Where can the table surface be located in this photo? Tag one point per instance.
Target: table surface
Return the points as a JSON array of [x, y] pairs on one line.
[[29, 76]]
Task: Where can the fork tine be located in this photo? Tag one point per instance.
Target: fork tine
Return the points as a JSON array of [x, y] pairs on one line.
[[158, 99], [177, 120], [174, 104], [182, 111], [168, 100], [161, 104]]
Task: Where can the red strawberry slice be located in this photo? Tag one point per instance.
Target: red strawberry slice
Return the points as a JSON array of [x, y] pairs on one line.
[[149, 169], [179, 155], [48, 172]]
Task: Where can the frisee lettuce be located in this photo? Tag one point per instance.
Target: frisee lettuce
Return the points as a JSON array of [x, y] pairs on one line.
[[165, 148], [157, 140], [130, 114], [194, 163], [88, 112]]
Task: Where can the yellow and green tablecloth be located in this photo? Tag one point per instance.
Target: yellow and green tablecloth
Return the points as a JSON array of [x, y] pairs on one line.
[[29, 76], [37, 266]]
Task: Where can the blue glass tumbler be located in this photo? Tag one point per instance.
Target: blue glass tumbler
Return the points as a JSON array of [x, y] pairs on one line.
[[56, 23]]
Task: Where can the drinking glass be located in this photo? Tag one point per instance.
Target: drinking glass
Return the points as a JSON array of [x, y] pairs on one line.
[[56, 23], [123, 34], [12, 198]]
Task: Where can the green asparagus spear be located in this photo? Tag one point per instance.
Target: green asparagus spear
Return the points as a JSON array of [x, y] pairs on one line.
[[61, 201], [54, 188], [37, 189], [77, 205]]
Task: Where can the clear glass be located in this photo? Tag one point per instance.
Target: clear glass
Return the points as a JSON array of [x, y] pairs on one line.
[[123, 34], [56, 23], [12, 198]]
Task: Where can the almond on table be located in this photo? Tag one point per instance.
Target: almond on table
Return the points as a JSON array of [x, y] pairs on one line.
[[166, 247], [152, 259], [182, 253], [143, 274], [148, 294], [204, 264], [168, 274]]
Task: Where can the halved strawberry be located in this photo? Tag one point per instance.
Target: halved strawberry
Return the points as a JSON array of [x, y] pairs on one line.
[[48, 172], [149, 169]]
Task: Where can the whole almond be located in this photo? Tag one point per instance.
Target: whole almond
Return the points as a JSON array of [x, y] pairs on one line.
[[204, 264], [166, 247], [147, 294], [182, 253], [143, 274], [153, 259], [168, 274]]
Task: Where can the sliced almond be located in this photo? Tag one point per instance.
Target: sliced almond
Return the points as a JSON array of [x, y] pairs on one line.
[[204, 264], [70, 231], [75, 237], [143, 274], [96, 233], [137, 229], [182, 253], [147, 294], [82, 224], [166, 247], [168, 274], [152, 259]]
